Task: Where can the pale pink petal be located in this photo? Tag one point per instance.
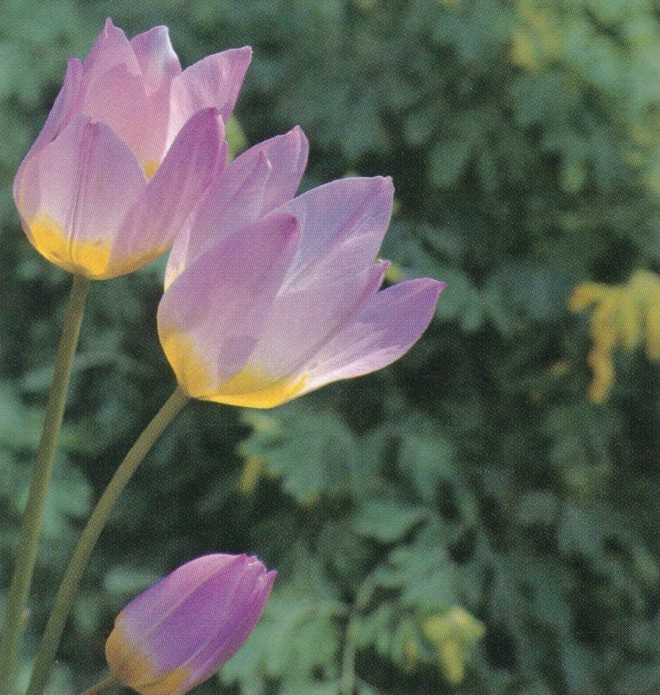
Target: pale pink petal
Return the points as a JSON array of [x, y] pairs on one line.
[[177, 187], [113, 91], [64, 103], [344, 221], [157, 59], [118, 98], [252, 185], [214, 81], [98, 182], [302, 321], [211, 317], [110, 50], [287, 155], [160, 65], [390, 323], [231, 202]]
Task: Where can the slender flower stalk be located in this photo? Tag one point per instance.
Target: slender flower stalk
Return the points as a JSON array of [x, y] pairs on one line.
[[33, 513], [90, 535]]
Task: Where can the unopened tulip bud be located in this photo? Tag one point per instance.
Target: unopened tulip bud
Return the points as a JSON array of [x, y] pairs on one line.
[[180, 631]]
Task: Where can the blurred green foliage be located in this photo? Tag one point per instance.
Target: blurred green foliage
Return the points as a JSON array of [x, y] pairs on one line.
[[465, 521]]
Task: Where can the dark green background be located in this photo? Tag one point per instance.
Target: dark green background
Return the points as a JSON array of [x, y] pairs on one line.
[[473, 474]]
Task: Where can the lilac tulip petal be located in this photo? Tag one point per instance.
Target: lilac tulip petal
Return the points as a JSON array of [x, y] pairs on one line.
[[159, 65], [73, 224], [302, 321], [252, 185], [287, 155], [160, 597], [64, 102], [125, 115], [246, 613], [232, 202], [173, 636], [218, 610], [110, 50], [350, 215], [156, 57], [113, 91], [389, 324], [214, 81], [190, 166], [242, 275]]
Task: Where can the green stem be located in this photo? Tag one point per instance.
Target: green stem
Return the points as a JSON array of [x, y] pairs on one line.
[[91, 533], [28, 540], [101, 686]]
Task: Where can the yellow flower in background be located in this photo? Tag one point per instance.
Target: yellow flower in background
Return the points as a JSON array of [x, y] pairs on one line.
[[626, 316], [453, 634]]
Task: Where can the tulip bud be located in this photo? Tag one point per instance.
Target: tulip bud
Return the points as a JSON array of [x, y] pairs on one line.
[[181, 630]]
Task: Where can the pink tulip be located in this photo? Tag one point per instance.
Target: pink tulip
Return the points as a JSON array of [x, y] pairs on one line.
[[180, 631], [129, 147], [268, 297]]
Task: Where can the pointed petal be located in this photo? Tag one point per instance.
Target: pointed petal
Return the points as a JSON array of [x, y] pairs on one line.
[[213, 81], [64, 103], [74, 194], [156, 56], [302, 321], [252, 185], [390, 323], [344, 221], [159, 65], [113, 91], [177, 187], [211, 317], [110, 50], [287, 155], [232, 201]]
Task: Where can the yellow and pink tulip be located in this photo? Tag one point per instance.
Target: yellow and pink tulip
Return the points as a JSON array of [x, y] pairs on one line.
[[129, 147], [269, 297]]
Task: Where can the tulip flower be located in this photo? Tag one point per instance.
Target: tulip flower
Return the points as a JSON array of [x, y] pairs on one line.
[[129, 147], [268, 298], [181, 630]]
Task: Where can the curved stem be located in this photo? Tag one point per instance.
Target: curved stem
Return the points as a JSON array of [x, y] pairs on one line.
[[28, 540], [91, 533], [101, 686]]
